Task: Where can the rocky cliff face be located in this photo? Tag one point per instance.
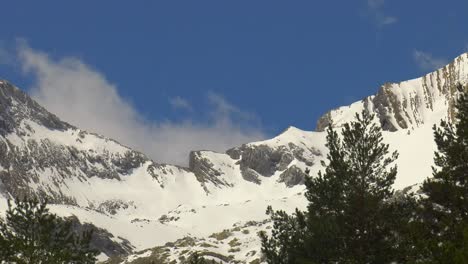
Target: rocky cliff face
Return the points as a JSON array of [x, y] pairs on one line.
[[16, 107], [409, 104], [39, 152], [264, 160], [43, 156], [282, 159], [204, 170]]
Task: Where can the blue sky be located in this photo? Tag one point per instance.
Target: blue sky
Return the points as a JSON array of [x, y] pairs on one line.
[[248, 67]]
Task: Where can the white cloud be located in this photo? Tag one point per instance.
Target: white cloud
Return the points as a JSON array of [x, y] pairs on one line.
[[378, 15], [180, 103], [225, 109], [426, 61], [84, 97]]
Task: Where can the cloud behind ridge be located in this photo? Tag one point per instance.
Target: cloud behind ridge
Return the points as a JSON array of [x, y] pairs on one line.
[[427, 61], [84, 97]]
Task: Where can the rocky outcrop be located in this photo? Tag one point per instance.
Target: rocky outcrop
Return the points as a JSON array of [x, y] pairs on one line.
[[250, 175], [324, 121], [253, 161], [43, 156], [262, 160], [102, 240], [204, 170], [232, 245], [292, 176], [34, 163], [16, 106], [113, 206], [408, 104], [29, 163]]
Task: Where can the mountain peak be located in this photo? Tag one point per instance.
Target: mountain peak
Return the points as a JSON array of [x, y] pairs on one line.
[[408, 104], [290, 129], [7, 88], [17, 106], [121, 190]]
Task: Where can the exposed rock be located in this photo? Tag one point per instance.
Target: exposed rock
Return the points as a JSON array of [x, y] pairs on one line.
[[216, 247], [204, 170], [323, 122], [102, 240], [164, 219], [113, 206], [292, 176], [261, 159], [250, 175], [299, 154], [404, 105], [27, 163], [16, 105], [234, 153], [48, 164], [129, 161], [40, 166]]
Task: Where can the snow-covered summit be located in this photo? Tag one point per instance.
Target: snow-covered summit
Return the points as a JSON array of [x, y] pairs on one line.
[[409, 104]]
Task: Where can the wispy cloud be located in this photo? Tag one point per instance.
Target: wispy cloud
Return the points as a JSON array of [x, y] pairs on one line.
[[82, 96], [5, 56], [427, 61], [180, 103], [378, 16]]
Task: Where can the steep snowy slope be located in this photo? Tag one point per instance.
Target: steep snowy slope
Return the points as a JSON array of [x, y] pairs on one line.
[[136, 199], [118, 189], [44, 156], [409, 104], [406, 111]]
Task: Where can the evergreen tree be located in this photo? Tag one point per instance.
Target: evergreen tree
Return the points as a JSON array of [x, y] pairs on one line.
[[352, 216], [445, 208], [31, 234], [350, 205], [195, 258], [286, 244]]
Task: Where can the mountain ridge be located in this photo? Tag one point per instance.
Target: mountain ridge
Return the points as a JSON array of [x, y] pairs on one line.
[[399, 113], [145, 203]]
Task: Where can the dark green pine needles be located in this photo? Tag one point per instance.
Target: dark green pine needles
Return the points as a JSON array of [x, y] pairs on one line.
[[445, 203], [31, 234], [354, 216], [351, 216]]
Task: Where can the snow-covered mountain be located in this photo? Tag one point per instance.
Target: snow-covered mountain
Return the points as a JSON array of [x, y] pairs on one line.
[[147, 204]]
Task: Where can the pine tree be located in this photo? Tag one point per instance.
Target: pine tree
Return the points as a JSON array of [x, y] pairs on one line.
[[195, 258], [351, 203], [445, 208], [286, 244], [352, 216], [31, 234]]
